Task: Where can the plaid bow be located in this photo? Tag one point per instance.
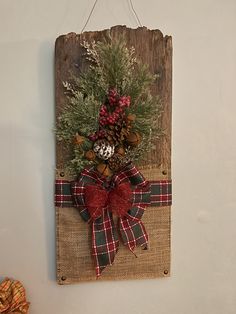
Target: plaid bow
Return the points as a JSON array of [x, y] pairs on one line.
[[105, 242]]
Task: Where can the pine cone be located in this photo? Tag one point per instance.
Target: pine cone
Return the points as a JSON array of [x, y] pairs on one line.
[[116, 162], [116, 134]]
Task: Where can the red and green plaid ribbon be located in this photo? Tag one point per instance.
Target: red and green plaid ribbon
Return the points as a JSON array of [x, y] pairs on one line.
[[105, 240]]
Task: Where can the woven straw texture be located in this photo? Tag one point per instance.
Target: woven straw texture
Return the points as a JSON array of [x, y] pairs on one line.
[[74, 262]]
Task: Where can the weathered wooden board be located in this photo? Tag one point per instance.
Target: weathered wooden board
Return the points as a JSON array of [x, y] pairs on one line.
[[74, 263]]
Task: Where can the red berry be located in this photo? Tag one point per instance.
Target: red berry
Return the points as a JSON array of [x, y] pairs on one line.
[[128, 100], [92, 137], [112, 92], [112, 100]]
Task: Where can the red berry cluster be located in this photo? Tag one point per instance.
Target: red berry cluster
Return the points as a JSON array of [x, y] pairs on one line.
[[118, 104], [111, 112], [115, 99], [97, 135]]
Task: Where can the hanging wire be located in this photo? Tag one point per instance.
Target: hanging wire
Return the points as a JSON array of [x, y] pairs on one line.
[[91, 12], [94, 5], [135, 13]]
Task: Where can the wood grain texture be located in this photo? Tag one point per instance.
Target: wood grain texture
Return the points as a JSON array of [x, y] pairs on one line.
[[74, 261]]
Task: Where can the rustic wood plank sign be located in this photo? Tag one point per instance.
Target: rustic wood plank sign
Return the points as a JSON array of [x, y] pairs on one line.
[[74, 263]]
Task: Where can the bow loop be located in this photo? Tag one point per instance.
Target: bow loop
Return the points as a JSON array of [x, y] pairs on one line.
[[119, 199], [95, 198]]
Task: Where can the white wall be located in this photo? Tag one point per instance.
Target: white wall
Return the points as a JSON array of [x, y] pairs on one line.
[[203, 277]]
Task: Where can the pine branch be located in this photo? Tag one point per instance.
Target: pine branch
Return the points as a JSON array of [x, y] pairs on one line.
[[79, 116], [111, 65]]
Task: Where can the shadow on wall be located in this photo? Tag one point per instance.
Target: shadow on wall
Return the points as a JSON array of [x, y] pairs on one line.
[[46, 120]]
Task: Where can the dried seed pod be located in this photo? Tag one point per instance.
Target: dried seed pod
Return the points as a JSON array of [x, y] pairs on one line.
[[104, 170], [133, 139], [131, 117], [120, 150], [90, 155], [78, 139]]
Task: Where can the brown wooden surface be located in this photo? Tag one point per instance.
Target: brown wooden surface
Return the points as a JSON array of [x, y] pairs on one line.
[[74, 262]]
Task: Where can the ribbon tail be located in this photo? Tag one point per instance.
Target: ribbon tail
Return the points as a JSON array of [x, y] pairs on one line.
[[133, 233], [105, 241]]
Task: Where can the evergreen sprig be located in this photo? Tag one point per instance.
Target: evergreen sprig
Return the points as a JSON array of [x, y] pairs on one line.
[[80, 115], [111, 64]]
